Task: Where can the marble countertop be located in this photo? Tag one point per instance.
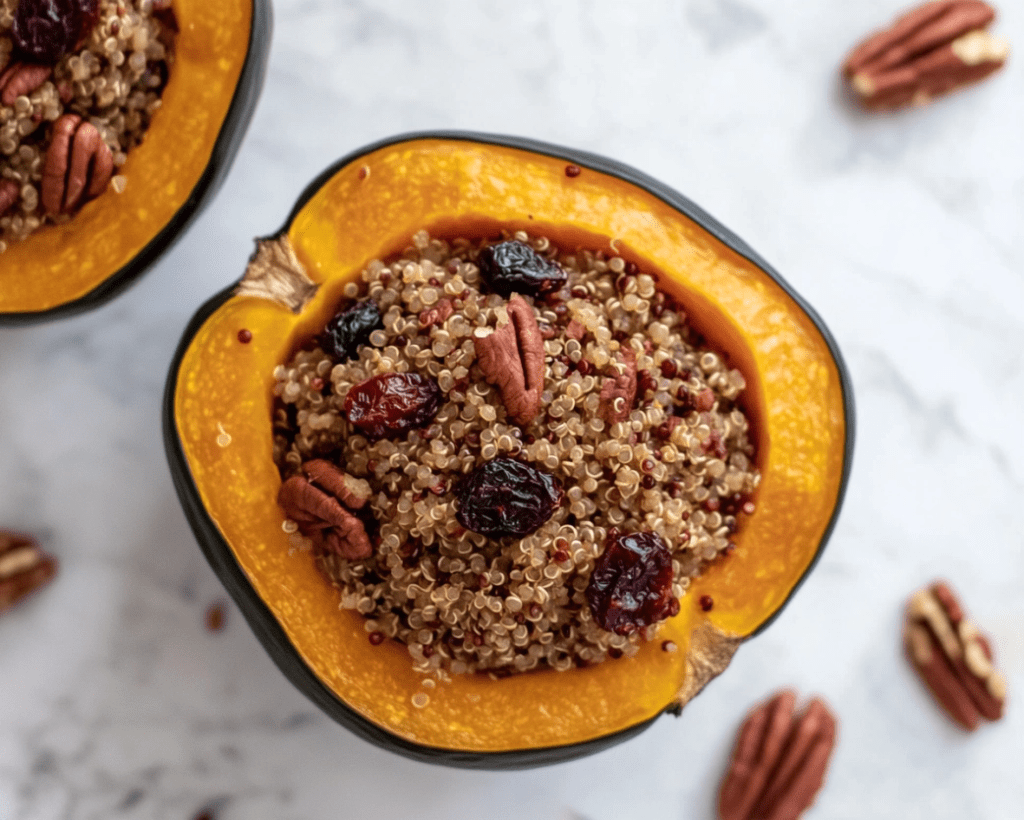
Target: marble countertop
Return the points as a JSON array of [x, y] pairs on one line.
[[906, 232]]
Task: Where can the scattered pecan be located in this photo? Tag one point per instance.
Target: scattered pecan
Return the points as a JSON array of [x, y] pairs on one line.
[[21, 79], [24, 568], [9, 193], [321, 515], [953, 659], [932, 50], [438, 314], [779, 762], [619, 390], [512, 358], [78, 165]]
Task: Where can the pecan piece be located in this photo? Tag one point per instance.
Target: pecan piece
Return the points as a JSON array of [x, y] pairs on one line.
[[619, 390], [575, 330], [779, 762], [24, 568], [512, 358], [953, 659], [21, 79], [78, 165], [438, 314], [932, 50], [320, 513]]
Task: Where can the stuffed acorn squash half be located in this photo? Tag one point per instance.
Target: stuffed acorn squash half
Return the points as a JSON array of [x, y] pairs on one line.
[[220, 406], [219, 58]]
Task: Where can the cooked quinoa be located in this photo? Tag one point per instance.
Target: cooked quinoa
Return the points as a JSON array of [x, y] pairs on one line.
[[113, 79], [460, 601]]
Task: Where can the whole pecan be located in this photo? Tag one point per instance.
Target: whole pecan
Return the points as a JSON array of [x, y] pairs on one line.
[[320, 513], [78, 165], [512, 358], [779, 762], [619, 390], [933, 49], [9, 193], [24, 568], [21, 79], [953, 659]]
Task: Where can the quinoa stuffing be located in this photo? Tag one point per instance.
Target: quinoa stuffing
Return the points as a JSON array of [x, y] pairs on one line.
[[510, 456], [80, 81]]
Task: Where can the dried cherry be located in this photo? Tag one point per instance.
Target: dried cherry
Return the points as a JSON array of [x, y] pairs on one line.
[[43, 31], [631, 585], [350, 329], [513, 267], [390, 404], [506, 497]]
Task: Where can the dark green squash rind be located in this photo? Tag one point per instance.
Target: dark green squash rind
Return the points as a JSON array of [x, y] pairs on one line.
[[262, 620], [229, 140]]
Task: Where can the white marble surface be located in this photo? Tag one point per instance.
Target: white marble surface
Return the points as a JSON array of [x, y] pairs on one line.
[[906, 233]]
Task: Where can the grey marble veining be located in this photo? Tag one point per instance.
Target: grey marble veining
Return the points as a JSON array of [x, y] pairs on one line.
[[906, 232]]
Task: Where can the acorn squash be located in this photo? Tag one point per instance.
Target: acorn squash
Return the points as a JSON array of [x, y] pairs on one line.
[[220, 59], [217, 425]]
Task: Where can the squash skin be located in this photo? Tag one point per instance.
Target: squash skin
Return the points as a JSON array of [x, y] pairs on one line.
[[106, 253], [499, 750]]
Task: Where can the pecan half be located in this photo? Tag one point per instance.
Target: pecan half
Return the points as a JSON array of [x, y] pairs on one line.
[[21, 79], [9, 193], [932, 50], [351, 491], [78, 165], [953, 659], [320, 513], [24, 568], [512, 358], [779, 762], [619, 390]]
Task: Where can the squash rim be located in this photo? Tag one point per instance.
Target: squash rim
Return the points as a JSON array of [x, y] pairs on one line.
[[261, 618], [229, 139]]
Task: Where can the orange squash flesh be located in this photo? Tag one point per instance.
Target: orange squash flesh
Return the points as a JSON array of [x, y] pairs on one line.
[[62, 263], [369, 209]]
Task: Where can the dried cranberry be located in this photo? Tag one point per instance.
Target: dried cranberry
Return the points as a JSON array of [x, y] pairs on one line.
[[707, 603], [506, 497], [351, 329], [513, 267], [45, 30], [376, 638], [631, 585], [390, 404], [669, 369]]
